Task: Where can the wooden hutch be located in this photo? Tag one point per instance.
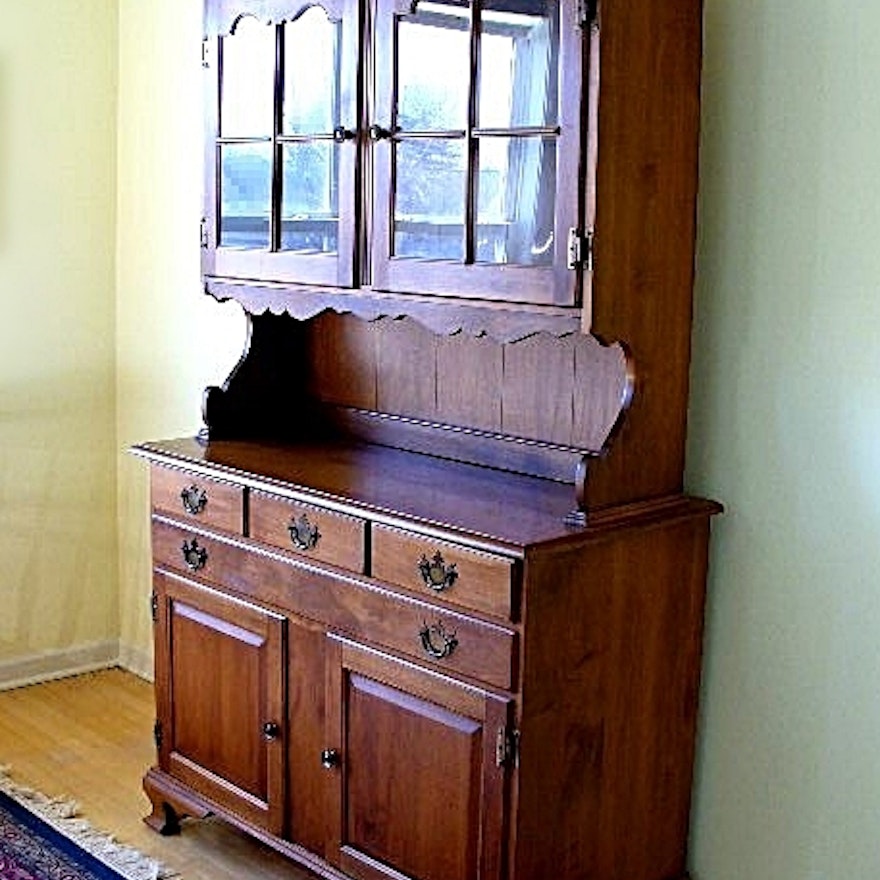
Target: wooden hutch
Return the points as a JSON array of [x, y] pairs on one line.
[[428, 595]]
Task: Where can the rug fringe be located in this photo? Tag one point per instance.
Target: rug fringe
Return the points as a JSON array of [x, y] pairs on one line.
[[63, 815]]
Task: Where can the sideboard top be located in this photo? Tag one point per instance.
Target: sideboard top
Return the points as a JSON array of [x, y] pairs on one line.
[[485, 508]]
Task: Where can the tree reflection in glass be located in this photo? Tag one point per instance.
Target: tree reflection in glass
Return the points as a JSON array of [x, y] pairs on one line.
[[503, 160]]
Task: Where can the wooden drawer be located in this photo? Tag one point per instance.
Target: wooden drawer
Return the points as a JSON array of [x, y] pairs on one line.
[[446, 571], [345, 603], [197, 498], [308, 529]]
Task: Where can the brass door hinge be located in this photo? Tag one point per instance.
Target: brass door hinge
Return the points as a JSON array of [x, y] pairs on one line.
[[507, 747], [203, 232], [580, 249], [157, 734], [206, 53], [154, 606]]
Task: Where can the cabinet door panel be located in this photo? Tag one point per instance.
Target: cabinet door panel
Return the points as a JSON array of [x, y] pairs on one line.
[[421, 793], [478, 150], [281, 154], [222, 664]]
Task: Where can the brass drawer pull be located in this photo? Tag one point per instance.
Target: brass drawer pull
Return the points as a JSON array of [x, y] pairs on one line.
[[436, 574], [195, 557], [194, 499], [303, 534], [437, 642]]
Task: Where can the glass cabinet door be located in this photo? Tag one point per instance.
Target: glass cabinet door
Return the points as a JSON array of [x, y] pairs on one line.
[[282, 153], [475, 148], [410, 146]]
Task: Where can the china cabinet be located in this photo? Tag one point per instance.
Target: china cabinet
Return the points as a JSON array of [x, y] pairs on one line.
[[427, 591]]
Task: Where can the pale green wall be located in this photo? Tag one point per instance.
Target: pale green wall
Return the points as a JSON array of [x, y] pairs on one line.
[[786, 431], [58, 582]]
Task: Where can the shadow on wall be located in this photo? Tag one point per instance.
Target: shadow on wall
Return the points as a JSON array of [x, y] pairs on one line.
[[5, 127]]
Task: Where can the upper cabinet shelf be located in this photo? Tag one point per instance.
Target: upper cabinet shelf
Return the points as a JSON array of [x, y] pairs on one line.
[[432, 148]]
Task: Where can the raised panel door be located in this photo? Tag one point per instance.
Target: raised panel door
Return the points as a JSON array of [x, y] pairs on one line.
[[421, 788], [220, 686]]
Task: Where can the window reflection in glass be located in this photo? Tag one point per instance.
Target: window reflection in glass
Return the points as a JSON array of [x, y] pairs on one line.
[[310, 206], [515, 205], [247, 88], [433, 68], [519, 50], [245, 195], [311, 74], [429, 208]]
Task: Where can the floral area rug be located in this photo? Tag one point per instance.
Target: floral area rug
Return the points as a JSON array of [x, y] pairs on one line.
[[43, 838]]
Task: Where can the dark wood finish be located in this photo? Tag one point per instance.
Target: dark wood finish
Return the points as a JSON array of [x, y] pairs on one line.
[[353, 605], [503, 322], [345, 349], [550, 285], [535, 717], [223, 502], [407, 354], [646, 180], [417, 753], [595, 684], [339, 268], [482, 582], [213, 716], [469, 376], [609, 702], [639, 110], [341, 539], [393, 383]]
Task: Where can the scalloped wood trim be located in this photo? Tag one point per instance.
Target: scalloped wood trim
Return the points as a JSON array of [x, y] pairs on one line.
[[445, 317]]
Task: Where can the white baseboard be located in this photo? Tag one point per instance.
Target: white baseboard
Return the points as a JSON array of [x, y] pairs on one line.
[[136, 661], [48, 665]]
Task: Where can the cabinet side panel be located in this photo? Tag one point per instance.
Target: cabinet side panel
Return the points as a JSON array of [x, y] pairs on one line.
[[613, 645], [648, 135]]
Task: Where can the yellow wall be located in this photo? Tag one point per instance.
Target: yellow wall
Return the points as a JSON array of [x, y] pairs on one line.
[[58, 580], [172, 340]]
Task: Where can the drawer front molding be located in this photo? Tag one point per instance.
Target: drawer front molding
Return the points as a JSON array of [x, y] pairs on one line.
[[352, 605], [451, 573]]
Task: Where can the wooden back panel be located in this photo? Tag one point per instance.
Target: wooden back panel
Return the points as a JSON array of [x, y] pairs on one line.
[[537, 406], [567, 392]]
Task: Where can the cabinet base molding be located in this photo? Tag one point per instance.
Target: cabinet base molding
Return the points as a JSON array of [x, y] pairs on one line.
[[172, 802]]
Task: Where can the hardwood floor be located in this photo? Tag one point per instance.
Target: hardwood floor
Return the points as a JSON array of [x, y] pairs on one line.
[[90, 738]]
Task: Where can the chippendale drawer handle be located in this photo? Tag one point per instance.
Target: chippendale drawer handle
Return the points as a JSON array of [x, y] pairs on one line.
[[194, 499], [436, 574], [195, 557], [437, 642], [303, 534]]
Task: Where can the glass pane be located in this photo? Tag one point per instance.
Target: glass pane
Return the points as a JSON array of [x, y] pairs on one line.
[[248, 87], [516, 200], [519, 50], [310, 204], [245, 195], [430, 198], [433, 72], [311, 74]]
